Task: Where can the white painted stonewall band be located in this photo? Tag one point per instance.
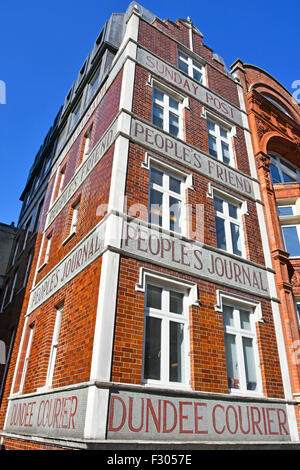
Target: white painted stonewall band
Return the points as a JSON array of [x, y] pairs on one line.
[[84, 253], [163, 143], [199, 261], [83, 172], [154, 246]]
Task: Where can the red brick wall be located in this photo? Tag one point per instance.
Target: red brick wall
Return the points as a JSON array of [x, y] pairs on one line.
[[137, 189], [80, 295], [208, 364]]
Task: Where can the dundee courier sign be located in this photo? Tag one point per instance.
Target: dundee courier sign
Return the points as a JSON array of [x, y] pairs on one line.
[[57, 414], [163, 417]]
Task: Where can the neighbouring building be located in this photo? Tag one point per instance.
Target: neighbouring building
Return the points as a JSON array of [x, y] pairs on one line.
[[274, 119], [19, 254], [7, 235], [152, 312]]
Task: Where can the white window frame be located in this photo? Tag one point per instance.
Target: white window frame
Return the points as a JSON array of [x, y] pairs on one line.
[[297, 310], [62, 174], [48, 248], [75, 115], [4, 297], [87, 144], [241, 210], [231, 132], [61, 139], [27, 227], [93, 84], [166, 317], [74, 221], [15, 252], [13, 287], [297, 226], [291, 220], [164, 104], [26, 360], [191, 65], [279, 162], [237, 302], [54, 346], [293, 206], [27, 268], [166, 195]]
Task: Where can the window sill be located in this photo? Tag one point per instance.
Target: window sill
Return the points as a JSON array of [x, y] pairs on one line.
[[42, 267], [245, 393], [71, 235], [175, 386]]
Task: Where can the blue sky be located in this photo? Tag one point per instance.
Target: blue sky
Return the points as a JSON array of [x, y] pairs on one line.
[[44, 43]]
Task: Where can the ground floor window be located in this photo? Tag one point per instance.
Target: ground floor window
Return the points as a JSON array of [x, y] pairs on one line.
[[240, 349], [166, 336]]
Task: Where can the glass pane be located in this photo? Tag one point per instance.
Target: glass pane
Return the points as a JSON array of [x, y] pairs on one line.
[[225, 153], [152, 348], [155, 207], [249, 364], [233, 211], [173, 124], [154, 296], [228, 316], [212, 146], [175, 185], [183, 65], [287, 178], [275, 176], [93, 85], [197, 75], [158, 95], [291, 240], [223, 132], [288, 166], [218, 204], [231, 362], [156, 176], [157, 117], [176, 302], [173, 103], [285, 210], [220, 232], [176, 352], [236, 239], [210, 125], [175, 211], [245, 320]]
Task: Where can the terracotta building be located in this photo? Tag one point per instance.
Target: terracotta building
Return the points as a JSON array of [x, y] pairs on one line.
[[274, 119], [151, 312]]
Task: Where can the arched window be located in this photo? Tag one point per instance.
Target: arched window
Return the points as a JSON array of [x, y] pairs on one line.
[[283, 171], [278, 105]]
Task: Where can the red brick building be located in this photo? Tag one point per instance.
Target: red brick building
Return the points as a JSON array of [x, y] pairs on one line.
[[151, 311]]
